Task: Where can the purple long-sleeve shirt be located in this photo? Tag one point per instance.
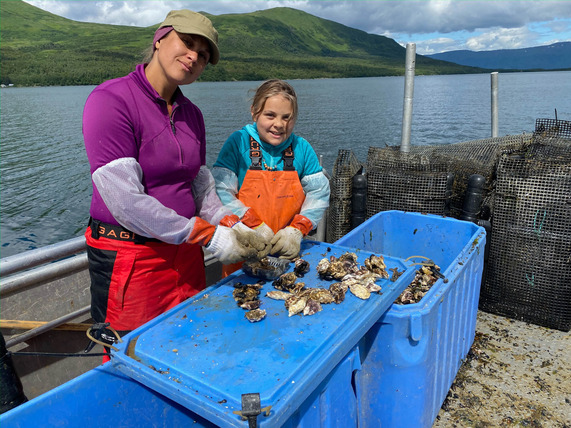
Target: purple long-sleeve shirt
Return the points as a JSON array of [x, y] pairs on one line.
[[143, 162]]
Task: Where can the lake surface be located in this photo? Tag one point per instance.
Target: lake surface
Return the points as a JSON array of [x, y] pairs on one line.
[[45, 187]]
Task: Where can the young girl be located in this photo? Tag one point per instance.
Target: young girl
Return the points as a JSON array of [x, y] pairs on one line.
[[270, 177]]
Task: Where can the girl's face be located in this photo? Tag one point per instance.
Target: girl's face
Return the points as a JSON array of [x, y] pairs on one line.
[[182, 57], [275, 122]]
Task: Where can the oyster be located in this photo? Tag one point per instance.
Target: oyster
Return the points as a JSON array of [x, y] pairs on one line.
[[301, 267], [352, 257], [377, 265], [360, 291], [297, 287], [311, 307], [256, 315], [395, 274], [251, 304], [278, 294], [245, 294], [285, 281], [373, 287], [321, 295], [338, 291], [295, 304], [337, 268], [267, 268], [419, 286], [322, 267]]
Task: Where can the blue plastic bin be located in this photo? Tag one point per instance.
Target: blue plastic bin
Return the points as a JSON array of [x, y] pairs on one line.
[[102, 397], [204, 354], [411, 356], [191, 365], [105, 397]]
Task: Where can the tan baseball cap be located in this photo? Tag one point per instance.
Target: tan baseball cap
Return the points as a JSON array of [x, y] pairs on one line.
[[189, 22]]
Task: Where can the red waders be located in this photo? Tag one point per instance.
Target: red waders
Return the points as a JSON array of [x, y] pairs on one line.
[[132, 283]]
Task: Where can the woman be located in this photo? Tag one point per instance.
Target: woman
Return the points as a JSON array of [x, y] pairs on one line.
[[154, 203]]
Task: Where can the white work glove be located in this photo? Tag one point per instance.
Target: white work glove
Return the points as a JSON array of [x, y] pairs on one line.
[[249, 237], [286, 243], [266, 234], [226, 247]]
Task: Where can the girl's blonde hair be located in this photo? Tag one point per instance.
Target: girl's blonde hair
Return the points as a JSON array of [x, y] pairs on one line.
[[269, 89]]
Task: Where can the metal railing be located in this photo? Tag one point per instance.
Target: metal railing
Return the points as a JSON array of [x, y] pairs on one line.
[[36, 267], [40, 266]]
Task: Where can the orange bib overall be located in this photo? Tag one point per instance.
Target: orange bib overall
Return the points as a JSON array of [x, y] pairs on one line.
[[276, 196]]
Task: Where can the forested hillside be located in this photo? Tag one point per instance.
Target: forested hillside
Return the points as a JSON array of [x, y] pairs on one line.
[[39, 48]]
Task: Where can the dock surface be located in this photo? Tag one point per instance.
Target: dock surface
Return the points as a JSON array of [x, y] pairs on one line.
[[516, 374]]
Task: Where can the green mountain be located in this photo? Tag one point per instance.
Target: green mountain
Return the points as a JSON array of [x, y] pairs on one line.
[[39, 48]]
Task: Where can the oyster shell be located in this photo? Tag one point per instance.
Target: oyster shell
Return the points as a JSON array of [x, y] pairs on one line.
[[338, 291], [322, 267], [297, 287], [295, 304], [321, 295], [245, 294], [377, 265], [373, 287], [352, 257], [360, 291], [267, 268], [256, 315], [301, 267], [311, 307], [419, 286], [337, 268], [285, 281], [252, 304], [278, 294]]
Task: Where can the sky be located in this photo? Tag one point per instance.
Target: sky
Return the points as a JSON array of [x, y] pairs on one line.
[[433, 25]]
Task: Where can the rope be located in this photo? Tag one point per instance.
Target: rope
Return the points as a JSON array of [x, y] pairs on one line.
[[58, 354], [105, 345], [429, 262]]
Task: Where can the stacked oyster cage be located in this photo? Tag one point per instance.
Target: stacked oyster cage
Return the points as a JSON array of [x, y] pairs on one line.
[[528, 274], [339, 212], [526, 199], [428, 179]]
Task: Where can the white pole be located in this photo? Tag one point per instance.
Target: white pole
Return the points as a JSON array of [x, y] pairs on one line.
[[494, 83], [408, 96]]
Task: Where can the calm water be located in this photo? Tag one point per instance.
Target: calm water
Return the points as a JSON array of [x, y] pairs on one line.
[[45, 187]]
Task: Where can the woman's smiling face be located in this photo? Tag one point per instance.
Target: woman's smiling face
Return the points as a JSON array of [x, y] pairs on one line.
[[275, 122], [182, 57]]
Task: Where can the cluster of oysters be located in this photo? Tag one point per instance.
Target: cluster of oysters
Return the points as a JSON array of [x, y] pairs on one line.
[[247, 296], [424, 279], [349, 276]]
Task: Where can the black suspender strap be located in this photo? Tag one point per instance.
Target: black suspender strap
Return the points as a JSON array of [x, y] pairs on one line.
[[288, 159], [255, 154]]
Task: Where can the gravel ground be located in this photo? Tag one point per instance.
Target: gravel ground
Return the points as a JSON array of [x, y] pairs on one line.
[[516, 374]]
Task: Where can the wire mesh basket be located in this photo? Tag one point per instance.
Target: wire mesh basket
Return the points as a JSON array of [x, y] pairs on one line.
[[528, 274], [339, 212]]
